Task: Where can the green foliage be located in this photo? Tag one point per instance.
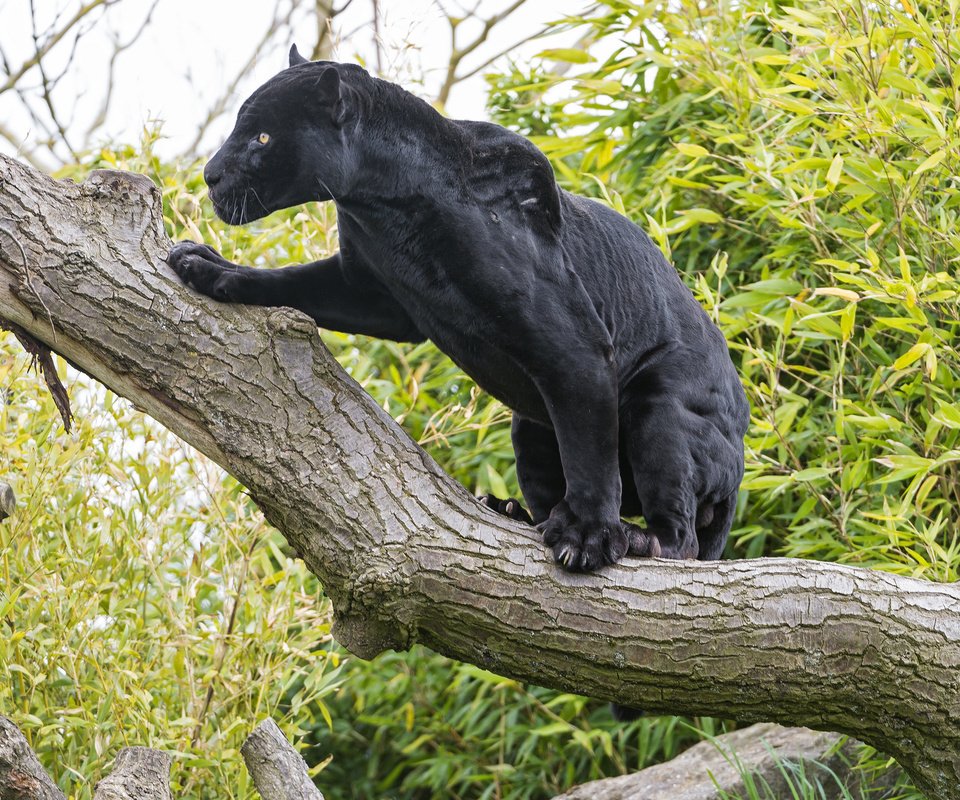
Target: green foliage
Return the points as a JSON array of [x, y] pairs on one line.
[[142, 597], [816, 780], [420, 726], [797, 162]]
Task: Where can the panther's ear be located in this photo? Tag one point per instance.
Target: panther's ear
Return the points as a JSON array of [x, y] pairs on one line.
[[337, 98], [296, 58]]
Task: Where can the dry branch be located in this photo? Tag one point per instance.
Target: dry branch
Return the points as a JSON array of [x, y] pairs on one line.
[[21, 775], [278, 771], [139, 773], [763, 755], [707, 771], [407, 556]]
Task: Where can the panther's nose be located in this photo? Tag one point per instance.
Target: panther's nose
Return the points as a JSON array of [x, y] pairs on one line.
[[212, 174]]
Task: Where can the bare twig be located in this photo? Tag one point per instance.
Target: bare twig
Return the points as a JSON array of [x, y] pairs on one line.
[[220, 106], [118, 49], [46, 85], [325, 12], [18, 142], [459, 52], [14, 78]]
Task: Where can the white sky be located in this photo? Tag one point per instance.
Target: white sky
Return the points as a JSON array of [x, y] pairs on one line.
[[193, 48]]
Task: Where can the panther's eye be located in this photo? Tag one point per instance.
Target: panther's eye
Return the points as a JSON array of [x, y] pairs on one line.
[[263, 138]]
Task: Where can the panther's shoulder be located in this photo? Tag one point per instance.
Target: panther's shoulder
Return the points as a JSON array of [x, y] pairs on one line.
[[505, 170]]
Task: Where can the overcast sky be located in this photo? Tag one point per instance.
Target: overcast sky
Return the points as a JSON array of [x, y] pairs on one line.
[[193, 48]]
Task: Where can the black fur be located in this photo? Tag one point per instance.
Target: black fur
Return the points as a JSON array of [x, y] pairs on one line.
[[624, 396]]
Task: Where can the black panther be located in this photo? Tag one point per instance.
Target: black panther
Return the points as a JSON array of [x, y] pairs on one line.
[[625, 400]]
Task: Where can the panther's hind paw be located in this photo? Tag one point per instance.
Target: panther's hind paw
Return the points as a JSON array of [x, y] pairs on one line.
[[643, 543], [509, 507]]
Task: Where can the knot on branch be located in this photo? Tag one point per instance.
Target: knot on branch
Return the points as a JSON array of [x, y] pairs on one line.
[[125, 186], [290, 322], [367, 621], [134, 198]]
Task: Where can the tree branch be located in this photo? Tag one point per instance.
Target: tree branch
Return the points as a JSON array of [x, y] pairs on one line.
[[458, 53], [52, 41], [406, 555], [765, 755], [21, 775], [139, 773], [278, 771], [219, 107]]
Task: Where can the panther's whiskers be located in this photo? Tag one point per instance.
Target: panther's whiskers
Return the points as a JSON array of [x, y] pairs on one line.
[[327, 189]]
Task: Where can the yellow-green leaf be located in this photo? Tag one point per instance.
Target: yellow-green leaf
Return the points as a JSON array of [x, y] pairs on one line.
[[931, 161], [692, 150], [836, 169], [569, 54], [913, 354]]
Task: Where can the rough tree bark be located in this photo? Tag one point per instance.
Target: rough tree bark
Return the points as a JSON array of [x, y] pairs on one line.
[[407, 556], [278, 771], [139, 773], [761, 755], [21, 774]]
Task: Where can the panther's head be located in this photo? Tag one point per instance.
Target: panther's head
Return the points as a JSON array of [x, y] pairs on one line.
[[288, 145]]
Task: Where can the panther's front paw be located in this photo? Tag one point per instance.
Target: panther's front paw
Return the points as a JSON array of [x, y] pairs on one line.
[[203, 268], [509, 507], [581, 545]]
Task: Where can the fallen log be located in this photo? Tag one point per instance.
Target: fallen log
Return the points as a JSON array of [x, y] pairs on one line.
[[765, 756]]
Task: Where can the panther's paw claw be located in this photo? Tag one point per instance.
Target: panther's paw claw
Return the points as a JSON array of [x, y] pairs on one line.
[[509, 507], [583, 545]]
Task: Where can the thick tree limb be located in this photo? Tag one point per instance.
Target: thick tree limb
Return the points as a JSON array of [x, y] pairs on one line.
[[408, 556], [278, 771]]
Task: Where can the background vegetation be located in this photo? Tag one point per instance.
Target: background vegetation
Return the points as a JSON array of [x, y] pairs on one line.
[[796, 162]]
